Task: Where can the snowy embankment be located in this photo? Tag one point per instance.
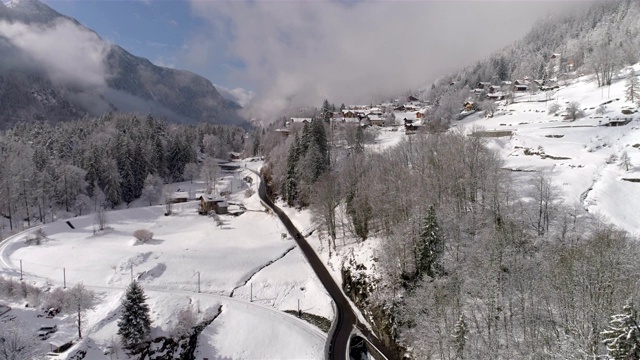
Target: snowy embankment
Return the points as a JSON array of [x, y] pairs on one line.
[[245, 253], [582, 157]]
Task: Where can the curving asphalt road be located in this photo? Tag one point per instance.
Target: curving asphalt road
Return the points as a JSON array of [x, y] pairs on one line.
[[345, 321]]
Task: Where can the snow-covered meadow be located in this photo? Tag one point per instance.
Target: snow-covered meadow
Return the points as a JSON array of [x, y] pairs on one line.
[[245, 265], [582, 157]]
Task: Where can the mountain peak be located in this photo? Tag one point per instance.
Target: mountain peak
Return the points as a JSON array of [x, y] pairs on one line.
[[29, 11]]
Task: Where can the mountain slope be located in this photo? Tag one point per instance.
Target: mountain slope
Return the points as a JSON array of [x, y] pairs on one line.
[[55, 69], [583, 157]]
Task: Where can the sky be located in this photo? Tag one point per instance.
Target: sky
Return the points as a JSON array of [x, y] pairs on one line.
[[283, 53]]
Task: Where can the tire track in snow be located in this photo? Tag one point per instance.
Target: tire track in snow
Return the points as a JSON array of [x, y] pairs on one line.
[[260, 269]]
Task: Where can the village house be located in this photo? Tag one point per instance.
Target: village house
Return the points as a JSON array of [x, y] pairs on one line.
[[411, 125], [375, 119], [209, 202], [179, 196], [298, 121], [520, 85]]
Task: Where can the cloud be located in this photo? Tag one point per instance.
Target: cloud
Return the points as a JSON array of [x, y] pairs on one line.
[[300, 52], [168, 62], [67, 52], [240, 96]]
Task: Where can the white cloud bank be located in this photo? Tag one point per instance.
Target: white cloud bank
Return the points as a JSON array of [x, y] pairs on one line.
[[300, 52], [69, 53], [240, 96]]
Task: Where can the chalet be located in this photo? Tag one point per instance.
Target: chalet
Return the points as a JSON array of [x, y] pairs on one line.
[[348, 113], [483, 85], [210, 203], [299, 121], [520, 85], [234, 156], [412, 98], [498, 95], [376, 120], [420, 114], [493, 88], [410, 125], [468, 105]]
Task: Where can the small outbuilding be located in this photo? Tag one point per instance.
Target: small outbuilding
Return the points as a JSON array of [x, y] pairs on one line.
[[210, 203]]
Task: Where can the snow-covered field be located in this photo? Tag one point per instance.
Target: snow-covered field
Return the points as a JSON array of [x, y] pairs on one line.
[[576, 154], [246, 256]]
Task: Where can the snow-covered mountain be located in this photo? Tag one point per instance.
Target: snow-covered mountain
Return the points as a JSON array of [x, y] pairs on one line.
[[53, 68]]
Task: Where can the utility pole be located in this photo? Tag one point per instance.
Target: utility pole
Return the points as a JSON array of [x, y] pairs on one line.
[[250, 292], [20, 270], [131, 272], [198, 281], [64, 278]]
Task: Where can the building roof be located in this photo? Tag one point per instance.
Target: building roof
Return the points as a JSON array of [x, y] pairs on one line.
[[300, 120], [180, 195]]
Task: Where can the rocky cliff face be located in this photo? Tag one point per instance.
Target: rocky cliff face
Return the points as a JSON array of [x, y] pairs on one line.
[[52, 68]]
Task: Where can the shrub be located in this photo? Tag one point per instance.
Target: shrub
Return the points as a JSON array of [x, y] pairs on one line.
[[573, 111], [185, 323], [36, 238], [553, 108], [601, 110], [143, 235]]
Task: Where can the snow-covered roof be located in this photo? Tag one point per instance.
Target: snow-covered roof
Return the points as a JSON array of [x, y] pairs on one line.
[[180, 195], [300, 120]]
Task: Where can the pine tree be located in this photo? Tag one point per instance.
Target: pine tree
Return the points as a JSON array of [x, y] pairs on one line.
[[460, 332], [623, 336], [358, 147], [325, 112], [632, 89], [290, 185], [319, 137], [135, 323], [431, 246]]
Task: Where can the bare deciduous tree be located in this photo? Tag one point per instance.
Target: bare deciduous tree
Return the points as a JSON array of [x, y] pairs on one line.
[[16, 343], [574, 111], [79, 300]]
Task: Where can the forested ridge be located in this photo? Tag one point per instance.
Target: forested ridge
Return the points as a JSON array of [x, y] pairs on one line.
[[598, 40], [82, 166]]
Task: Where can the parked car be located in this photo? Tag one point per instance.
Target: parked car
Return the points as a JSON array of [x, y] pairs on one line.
[[45, 331]]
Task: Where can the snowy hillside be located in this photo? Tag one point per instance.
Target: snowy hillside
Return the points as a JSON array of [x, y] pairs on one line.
[[582, 156], [244, 265]]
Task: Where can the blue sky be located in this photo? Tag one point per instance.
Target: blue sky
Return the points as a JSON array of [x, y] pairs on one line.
[[299, 52], [158, 30]]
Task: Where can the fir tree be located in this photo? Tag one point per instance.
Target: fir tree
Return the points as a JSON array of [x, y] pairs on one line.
[[358, 147], [460, 331], [632, 89], [135, 323], [431, 246], [623, 336], [325, 111], [290, 185], [319, 137]]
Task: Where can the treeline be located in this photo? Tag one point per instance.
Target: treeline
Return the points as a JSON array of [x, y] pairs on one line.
[[88, 164], [471, 263], [596, 40], [477, 265]]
